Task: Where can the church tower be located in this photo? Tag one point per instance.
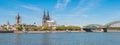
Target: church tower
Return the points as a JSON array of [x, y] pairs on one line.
[[45, 18], [18, 19], [47, 21], [8, 25], [48, 17]]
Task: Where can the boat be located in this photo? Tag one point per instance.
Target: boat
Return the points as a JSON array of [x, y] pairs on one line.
[[2, 31]]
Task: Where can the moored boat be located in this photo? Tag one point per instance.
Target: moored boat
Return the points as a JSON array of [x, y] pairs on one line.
[[11, 31]]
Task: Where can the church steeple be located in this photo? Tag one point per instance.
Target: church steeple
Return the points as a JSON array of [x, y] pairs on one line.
[[44, 14], [18, 19], [8, 23], [46, 20], [48, 17], [18, 16]]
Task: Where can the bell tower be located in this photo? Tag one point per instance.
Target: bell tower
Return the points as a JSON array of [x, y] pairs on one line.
[[48, 16], [18, 19], [44, 19]]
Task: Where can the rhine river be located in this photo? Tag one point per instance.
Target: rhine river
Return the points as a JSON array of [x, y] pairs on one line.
[[62, 38]]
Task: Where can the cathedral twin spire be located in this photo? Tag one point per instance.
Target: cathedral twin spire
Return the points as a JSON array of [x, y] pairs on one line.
[[46, 16]]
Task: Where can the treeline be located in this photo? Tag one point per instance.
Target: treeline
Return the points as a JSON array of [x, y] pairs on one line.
[[43, 28], [117, 28], [71, 28]]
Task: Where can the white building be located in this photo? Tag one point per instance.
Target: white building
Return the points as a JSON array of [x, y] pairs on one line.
[[51, 23]]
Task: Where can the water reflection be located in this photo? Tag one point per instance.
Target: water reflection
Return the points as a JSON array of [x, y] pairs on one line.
[[17, 39], [46, 39], [60, 39]]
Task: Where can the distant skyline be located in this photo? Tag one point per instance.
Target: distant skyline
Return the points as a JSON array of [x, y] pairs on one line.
[[64, 12]]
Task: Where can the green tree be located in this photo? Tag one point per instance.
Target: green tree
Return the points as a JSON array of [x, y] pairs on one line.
[[19, 28], [73, 28], [4, 27], [39, 28], [61, 28], [49, 28]]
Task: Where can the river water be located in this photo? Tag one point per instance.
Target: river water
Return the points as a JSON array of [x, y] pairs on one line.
[[63, 38]]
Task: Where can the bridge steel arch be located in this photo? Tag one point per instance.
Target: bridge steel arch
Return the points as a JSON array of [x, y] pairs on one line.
[[92, 27], [115, 25], [111, 23]]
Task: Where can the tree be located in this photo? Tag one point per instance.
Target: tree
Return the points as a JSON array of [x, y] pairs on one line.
[[61, 28], [73, 28], [39, 28], [49, 28], [19, 28], [4, 27]]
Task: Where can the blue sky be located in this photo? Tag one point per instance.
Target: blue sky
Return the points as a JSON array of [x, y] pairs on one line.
[[64, 12]]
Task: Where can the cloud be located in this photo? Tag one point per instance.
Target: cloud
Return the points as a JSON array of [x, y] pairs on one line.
[[31, 7], [62, 4], [85, 16], [84, 6]]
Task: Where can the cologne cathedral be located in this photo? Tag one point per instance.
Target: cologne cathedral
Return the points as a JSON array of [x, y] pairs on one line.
[[46, 20]]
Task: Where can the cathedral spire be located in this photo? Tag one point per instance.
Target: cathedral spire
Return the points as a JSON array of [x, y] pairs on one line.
[[48, 17], [44, 18], [8, 23], [44, 15]]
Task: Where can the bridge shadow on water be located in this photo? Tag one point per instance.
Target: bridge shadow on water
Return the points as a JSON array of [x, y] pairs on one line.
[[88, 30], [91, 29]]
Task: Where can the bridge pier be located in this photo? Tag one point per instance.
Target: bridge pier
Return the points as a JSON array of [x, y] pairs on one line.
[[104, 29], [87, 30], [101, 30]]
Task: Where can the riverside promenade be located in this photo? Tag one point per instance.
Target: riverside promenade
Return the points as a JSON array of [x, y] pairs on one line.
[[59, 31], [44, 31]]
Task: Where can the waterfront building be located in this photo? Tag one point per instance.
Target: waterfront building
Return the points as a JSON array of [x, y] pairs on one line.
[[0, 27], [18, 19], [8, 26], [46, 20]]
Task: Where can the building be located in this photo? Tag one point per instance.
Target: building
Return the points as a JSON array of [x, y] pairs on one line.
[[0, 27], [18, 19], [51, 23], [46, 20], [8, 26]]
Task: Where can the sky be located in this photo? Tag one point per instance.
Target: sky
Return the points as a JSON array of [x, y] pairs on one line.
[[64, 12]]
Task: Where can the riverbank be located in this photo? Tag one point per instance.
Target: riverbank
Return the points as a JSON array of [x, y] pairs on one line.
[[59, 31], [51, 31], [113, 30], [44, 31], [6, 31]]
